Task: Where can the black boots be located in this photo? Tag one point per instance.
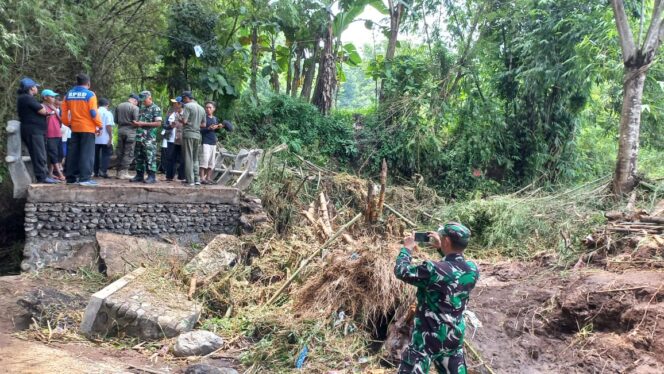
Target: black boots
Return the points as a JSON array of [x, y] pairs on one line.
[[151, 178], [138, 177]]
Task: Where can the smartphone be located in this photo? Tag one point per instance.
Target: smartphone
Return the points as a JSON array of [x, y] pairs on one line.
[[422, 237]]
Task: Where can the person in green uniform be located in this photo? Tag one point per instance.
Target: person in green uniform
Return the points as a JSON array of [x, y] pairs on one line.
[[145, 150], [443, 289], [193, 118]]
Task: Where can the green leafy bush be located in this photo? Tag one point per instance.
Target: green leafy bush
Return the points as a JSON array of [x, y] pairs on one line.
[[283, 119]]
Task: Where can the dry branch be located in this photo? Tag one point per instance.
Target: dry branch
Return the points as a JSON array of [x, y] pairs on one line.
[[314, 254], [403, 218], [192, 288]]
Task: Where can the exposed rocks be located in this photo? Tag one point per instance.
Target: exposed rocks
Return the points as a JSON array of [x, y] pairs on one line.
[[60, 254], [252, 214], [122, 253], [208, 369], [197, 343]]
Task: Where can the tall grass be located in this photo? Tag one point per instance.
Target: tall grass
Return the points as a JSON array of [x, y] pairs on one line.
[[525, 223]]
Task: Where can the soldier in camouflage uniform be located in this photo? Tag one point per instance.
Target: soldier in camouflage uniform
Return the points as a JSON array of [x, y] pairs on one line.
[[443, 288], [145, 151]]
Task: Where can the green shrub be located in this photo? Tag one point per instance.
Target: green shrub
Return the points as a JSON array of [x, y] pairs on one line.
[[283, 119]]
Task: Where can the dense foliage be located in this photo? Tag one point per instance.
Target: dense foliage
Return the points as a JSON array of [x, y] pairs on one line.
[[481, 96]]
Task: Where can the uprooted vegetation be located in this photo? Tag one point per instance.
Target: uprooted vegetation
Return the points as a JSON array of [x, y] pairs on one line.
[[296, 294], [339, 309]]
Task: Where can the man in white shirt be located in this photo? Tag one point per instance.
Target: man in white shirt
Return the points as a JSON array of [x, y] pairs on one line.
[[174, 162], [104, 140]]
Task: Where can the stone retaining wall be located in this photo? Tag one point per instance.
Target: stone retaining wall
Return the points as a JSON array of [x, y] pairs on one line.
[[76, 220], [61, 221]]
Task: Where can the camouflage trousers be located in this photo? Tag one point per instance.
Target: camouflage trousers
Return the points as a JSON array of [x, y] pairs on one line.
[[145, 156], [417, 362], [444, 347]]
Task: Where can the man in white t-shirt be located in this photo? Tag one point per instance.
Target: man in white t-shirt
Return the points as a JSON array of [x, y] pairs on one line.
[[104, 140]]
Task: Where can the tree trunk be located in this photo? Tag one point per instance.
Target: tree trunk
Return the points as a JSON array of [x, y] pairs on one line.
[[624, 179], [274, 75], [327, 76], [297, 71], [310, 73], [289, 76], [254, 61], [395, 23]]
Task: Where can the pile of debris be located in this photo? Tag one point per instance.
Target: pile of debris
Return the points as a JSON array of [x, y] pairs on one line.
[[633, 237]]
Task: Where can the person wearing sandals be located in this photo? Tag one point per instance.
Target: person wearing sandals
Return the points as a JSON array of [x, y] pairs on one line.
[[209, 143], [53, 136]]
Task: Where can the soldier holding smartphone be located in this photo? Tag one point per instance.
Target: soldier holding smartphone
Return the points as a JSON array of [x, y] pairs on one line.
[[443, 289]]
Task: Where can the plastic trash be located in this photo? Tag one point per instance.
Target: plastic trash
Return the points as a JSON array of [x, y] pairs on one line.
[[299, 363], [474, 321], [341, 316]]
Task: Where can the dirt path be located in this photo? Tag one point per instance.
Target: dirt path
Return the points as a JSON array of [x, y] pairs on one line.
[[24, 356]]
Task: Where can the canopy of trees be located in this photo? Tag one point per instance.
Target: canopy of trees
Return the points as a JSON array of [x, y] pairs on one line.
[[473, 95]]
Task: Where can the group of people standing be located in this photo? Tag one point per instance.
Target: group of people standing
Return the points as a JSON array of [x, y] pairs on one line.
[[77, 131]]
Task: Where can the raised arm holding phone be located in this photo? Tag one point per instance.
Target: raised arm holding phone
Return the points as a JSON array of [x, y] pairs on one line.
[[443, 289]]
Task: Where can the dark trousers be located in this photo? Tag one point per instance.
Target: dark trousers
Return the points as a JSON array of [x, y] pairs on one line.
[[80, 157], [102, 158], [174, 161], [36, 144]]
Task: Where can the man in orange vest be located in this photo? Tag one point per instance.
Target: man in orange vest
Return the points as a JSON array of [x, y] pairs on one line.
[[79, 112]]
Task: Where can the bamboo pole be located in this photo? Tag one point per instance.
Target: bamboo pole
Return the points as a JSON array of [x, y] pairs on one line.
[[383, 186], [478, 356], [314, 254], [403, 218], [325, 216], [370, 203]]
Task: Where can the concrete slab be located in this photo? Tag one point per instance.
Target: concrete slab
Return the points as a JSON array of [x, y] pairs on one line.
[[123, 253], [133, 193], [143, 304], [218, 256]]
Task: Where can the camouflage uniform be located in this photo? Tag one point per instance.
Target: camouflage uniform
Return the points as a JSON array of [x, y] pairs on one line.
[[443, 288], [145, 152]]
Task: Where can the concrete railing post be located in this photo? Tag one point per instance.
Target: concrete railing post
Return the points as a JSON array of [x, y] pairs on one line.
[[15, 161]]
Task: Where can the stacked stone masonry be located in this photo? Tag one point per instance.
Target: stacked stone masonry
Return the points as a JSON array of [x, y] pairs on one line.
[[79, 220], [61, 221]]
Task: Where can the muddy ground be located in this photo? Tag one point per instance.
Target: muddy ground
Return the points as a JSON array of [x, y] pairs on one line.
[[534, 320], [537, 320]]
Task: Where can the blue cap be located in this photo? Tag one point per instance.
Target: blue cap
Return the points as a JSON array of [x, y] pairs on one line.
[[177, 100], [48, 92], [28, 83]]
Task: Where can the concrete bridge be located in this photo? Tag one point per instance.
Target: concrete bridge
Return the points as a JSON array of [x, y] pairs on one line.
[[62, 220]]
